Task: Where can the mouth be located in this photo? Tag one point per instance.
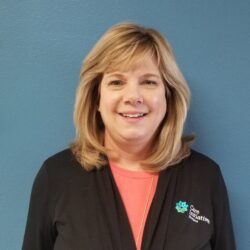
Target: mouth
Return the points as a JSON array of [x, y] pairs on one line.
[[134, 115]]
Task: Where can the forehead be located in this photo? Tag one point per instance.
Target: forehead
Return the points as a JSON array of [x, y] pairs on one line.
[[145, 63]]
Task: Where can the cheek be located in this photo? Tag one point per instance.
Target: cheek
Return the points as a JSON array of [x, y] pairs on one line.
[[107, 103], [159, 103]]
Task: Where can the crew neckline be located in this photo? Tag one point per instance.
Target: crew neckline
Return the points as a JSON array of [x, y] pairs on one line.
[[130, 173]]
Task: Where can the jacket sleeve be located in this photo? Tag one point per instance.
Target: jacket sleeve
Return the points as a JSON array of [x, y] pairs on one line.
[[39, 233], [223, 238]]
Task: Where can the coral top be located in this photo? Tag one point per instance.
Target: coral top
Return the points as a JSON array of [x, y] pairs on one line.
[[137, 190]]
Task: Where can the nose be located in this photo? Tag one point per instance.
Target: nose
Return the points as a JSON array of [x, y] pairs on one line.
[[135, 100], [132, 94]]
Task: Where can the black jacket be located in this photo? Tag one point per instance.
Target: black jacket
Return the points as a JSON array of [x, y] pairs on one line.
[[72, 209]]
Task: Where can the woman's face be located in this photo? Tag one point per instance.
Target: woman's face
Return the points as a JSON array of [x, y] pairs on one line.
[[132, 103]]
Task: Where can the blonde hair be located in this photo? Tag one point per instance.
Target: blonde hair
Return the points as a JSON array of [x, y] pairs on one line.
[[120, 46]]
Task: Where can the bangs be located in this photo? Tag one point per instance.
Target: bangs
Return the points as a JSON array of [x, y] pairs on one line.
[[126, 57]]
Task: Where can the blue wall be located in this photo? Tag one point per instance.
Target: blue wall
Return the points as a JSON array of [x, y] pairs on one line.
[[42, 44]]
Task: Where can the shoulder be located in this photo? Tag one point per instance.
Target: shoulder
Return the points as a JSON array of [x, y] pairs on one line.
[[63, 162], [60, 170], [201, 163], [200, 158], [200, 169], [61, 158]]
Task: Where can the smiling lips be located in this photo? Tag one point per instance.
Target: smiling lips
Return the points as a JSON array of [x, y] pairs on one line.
[[133, 115]]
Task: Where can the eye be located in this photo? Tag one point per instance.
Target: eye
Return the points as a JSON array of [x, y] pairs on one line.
[[150, 82], [115, 82]]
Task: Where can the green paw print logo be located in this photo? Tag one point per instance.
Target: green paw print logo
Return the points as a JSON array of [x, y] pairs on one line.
[[181, 207]]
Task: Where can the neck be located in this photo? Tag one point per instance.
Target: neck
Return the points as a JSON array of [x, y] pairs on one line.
[[126, 155]]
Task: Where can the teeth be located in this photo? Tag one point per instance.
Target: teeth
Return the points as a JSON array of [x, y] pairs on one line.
[[132, 115]]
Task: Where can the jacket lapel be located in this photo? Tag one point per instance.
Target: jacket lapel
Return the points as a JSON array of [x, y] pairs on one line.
[[156, 227], [116, 216]]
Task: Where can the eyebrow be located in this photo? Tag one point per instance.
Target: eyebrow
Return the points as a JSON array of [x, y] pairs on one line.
[[122, 75], [151, 75]]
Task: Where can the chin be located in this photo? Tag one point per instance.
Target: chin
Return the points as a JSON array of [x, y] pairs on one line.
[[134, 137]]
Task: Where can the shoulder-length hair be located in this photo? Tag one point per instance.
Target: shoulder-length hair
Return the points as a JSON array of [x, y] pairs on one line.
[[120, 46]]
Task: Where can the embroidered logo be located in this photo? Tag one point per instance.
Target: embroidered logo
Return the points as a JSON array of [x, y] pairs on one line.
[[194, 214], [181, 207]]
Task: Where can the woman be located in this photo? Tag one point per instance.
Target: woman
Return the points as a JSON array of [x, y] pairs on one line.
[[130, 180]]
